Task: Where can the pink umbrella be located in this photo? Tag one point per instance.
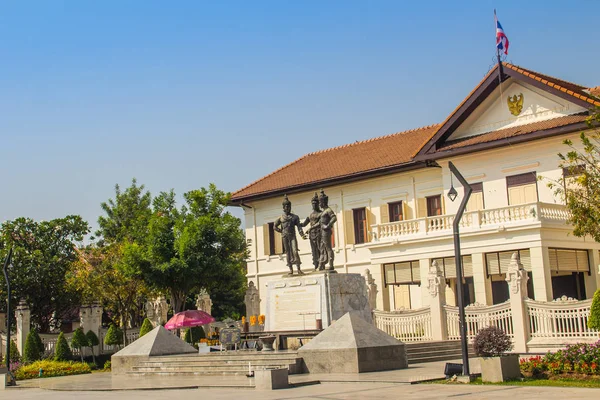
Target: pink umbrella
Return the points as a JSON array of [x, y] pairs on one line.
[[189, 318]]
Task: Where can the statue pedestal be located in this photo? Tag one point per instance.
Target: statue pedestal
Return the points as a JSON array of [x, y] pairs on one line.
[[297, 302]]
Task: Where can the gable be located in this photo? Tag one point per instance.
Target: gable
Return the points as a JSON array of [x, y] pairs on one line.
[[494, 114]]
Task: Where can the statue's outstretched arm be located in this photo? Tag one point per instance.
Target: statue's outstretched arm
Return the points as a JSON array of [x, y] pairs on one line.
[[276, 225]]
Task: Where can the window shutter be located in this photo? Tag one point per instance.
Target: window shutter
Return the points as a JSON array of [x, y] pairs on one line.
[[278, 243], [389, 274], [422, 207], [525, 259], [349, 226], [583, 261], [370, 221], [266, 244], [553, 256], [416, 271], [443, 203], [403, 272], [530, 193], [384, 211], [450, 267], [493, 266], [405, 215], [467, 263], [505, 258]]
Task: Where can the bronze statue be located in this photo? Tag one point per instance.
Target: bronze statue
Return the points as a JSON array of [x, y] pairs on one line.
[[314, 232], [286, 225], [326, 222]]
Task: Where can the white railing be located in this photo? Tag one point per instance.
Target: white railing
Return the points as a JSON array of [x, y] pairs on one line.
[[478, 317], [132, 335], [559, 319], [49, 341], [407, 326], [489, 218]]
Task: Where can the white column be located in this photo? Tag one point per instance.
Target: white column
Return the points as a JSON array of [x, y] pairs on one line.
[[437, 293], [23, 316], [517, 278], [483, 286], [540, 268]]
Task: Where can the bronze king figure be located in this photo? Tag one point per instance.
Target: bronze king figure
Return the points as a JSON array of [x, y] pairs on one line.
[[314, 232], [286, 225], [326, 222]]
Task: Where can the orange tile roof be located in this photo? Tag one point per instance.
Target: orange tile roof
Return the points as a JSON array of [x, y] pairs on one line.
[[342, 162], [399, 149], [572, 89], [514, 131]]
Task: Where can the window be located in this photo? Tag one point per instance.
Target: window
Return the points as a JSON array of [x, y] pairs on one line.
[[569, 260], [448, 266], [273, 242], [360, 225], [476, 200], [404, 273], [434, 205], [522, 188], [497, 265], [395, 211]]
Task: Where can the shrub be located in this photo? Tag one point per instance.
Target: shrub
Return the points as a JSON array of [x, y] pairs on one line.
[[146, 327], [34, 348], [92, 341], [62, 351], [581, 358], [15, 356], [594, 320], [107, 365], [51, 368], [193, 335], [79, 341], [492, 342], [114, 336]]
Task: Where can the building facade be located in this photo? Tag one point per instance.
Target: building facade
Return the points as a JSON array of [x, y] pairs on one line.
[[394, 217]]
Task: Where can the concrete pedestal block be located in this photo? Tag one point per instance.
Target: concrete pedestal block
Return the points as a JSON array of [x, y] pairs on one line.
[[270, 379], [500, 369]]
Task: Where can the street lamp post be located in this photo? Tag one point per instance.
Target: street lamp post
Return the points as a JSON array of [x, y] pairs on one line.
[[452, 194]]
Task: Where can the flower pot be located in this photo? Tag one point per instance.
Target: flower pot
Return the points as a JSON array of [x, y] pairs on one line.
[[267, 342], [500, 369]]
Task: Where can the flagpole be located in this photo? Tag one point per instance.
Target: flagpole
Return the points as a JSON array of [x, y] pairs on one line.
[[500, 71]]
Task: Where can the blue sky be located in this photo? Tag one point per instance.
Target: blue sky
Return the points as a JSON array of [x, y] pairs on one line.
[[180, 94]]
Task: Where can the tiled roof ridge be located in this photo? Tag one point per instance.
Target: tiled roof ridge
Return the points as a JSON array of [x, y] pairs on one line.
[[546, 80], [359, 142], [594, 91], [545, 75], [331, 149]]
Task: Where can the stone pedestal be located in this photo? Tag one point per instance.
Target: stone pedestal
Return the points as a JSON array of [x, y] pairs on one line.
[[296, 302], [270, 379]]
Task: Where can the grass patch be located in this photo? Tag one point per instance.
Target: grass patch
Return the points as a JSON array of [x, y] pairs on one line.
[[557, 381]]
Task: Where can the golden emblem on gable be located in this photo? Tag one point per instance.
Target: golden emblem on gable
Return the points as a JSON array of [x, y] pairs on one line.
[[515, 104]]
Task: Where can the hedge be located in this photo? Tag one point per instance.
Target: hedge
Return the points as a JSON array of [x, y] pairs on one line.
[[51, 368]]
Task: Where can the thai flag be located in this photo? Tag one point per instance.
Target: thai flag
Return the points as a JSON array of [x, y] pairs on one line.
[[501, 39]]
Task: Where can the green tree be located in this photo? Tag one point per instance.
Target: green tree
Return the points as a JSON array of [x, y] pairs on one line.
[[194, 334], [92, 341], [43, 253], [34, 348], [594, 320], [15, 356], [79, 341], [62, 351], [200, 245], [581, 189], [114, 336], [146, 327]]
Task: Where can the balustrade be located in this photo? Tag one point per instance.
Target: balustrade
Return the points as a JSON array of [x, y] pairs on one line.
[[407, 326]]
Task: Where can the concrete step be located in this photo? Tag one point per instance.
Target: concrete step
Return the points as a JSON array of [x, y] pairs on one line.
[[207, 369]]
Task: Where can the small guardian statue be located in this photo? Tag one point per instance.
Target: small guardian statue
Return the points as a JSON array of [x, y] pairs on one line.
[[286, 225]]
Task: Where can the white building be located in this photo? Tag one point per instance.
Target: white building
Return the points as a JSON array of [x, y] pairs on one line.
[[394, 217]]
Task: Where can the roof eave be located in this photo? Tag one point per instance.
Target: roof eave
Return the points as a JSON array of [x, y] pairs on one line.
[[237, 201], [562, 130]]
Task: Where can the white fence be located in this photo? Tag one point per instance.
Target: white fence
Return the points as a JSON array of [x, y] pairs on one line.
[[478, 317], [559, 319], [49, 340], [407, 326]]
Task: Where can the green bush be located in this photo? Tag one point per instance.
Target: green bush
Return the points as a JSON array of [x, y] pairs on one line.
[[62, 351], [92, 341], [34, 348], [594, 320], [107, 365], [114, 336], [15, 356], [51, 368], [79, 341], [146, 327], [193, 335]]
